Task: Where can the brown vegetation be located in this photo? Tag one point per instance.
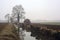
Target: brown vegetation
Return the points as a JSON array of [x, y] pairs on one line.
[[8, 32], [44, 31]]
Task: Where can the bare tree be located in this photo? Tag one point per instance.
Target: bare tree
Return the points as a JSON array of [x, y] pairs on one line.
[[11, 19], [27, 22], [18, 13], [7, 16]]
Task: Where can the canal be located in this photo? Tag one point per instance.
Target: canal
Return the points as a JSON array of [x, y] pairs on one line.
[[25, 35], [28, 37]]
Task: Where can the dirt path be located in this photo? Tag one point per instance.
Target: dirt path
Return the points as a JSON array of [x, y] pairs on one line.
[[8, 32]]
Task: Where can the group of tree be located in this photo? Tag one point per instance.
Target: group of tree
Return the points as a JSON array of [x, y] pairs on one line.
[[16, 15]]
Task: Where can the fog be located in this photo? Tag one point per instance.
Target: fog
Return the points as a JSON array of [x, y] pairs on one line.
[[34, 9]]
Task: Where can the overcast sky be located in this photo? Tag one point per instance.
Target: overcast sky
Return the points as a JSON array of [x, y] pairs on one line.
[[35, 9]]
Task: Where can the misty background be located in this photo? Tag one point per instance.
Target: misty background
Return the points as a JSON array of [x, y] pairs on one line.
[[35, 10]]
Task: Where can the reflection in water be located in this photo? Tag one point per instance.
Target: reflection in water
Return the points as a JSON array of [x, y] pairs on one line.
[[28, 37]]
